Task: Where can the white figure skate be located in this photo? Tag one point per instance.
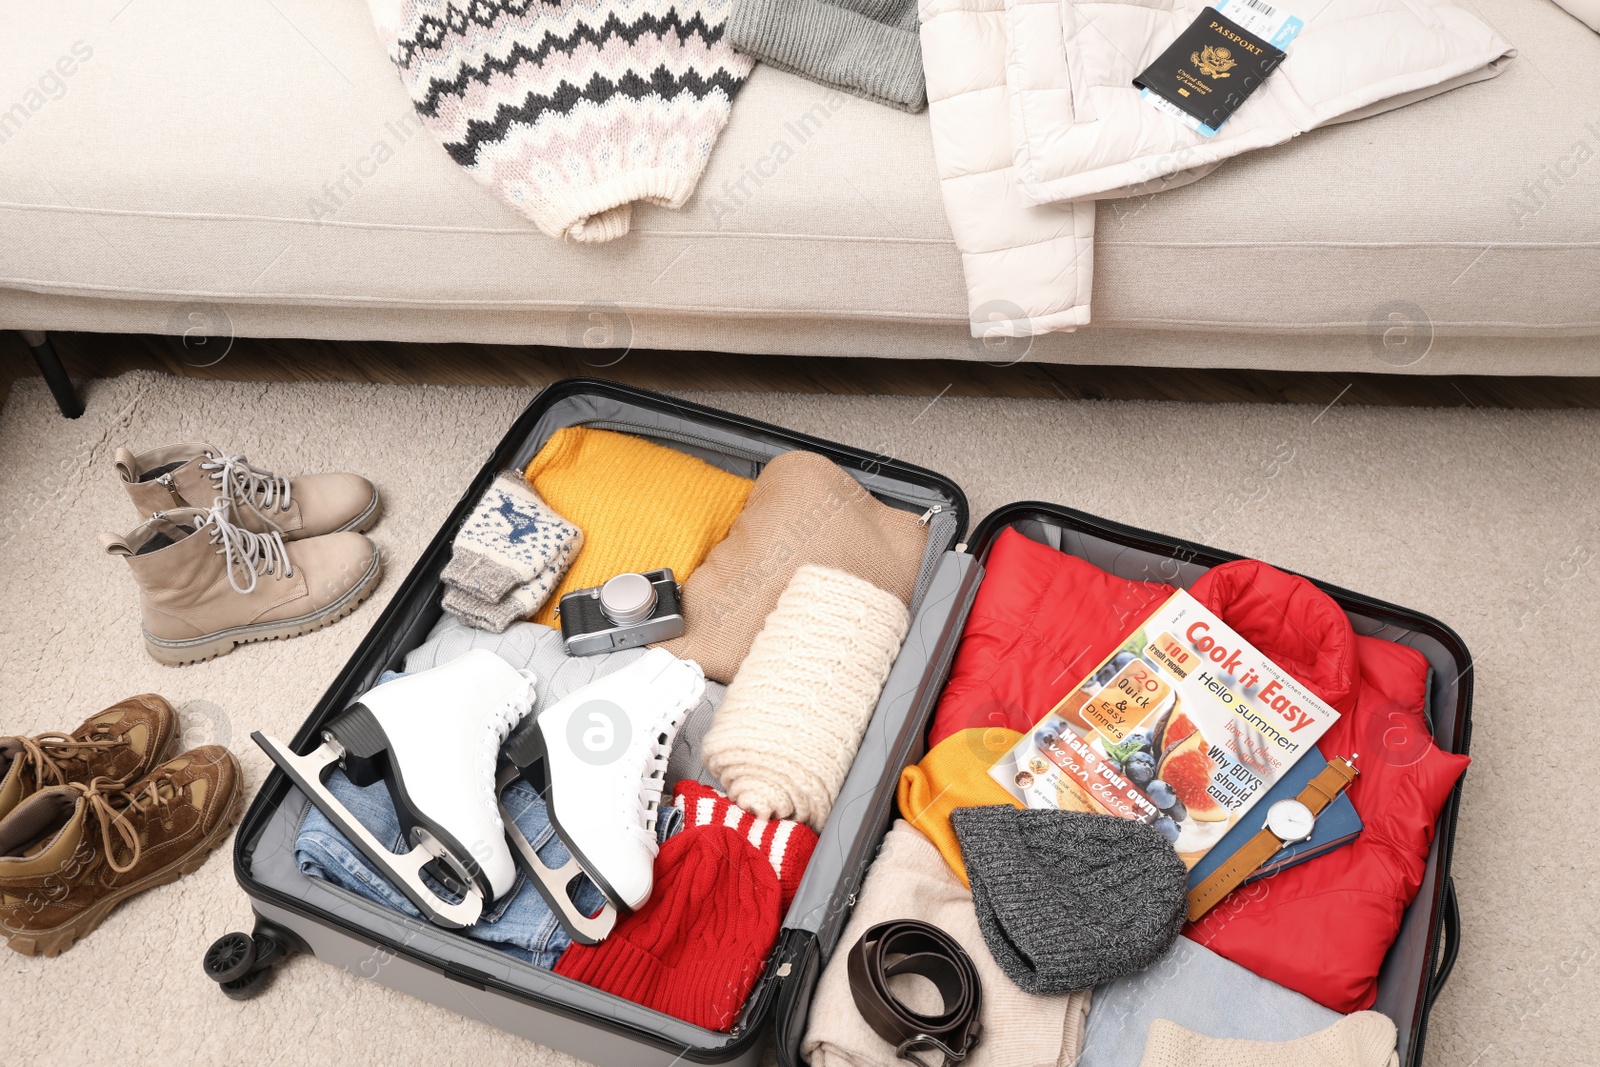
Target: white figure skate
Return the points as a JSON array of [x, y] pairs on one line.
[[604, 751], [434, 738]]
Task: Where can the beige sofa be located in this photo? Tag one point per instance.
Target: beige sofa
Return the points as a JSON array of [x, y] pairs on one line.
[[169, 166]]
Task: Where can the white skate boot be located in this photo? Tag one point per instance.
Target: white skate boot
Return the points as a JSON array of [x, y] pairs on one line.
[[604, 751], [434, 738]]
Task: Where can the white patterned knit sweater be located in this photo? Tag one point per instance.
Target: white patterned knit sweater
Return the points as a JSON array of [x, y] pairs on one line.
[[570, 110]]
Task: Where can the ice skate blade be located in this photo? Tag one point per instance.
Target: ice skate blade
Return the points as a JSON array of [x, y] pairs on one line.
[[552, 882], [404, 870]]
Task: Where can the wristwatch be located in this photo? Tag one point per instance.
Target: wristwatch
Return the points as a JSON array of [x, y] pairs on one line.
[[1288, 822]]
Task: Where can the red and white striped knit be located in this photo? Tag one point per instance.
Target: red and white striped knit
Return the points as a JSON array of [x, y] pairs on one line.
[[786, 844]]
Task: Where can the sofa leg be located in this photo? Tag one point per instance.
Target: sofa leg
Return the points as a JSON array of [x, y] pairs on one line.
[[55, 375]]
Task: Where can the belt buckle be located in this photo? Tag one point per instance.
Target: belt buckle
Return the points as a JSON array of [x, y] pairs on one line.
[[904, 1050]]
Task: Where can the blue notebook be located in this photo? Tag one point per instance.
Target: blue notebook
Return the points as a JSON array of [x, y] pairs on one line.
[[1337, 825]]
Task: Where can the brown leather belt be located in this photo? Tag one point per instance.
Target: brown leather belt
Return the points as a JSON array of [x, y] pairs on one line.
[[930, 952]]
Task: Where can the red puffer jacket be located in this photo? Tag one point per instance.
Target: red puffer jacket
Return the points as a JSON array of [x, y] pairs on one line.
[[1043, 620]]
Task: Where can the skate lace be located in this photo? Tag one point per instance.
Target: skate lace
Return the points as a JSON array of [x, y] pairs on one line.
[[110, 803], [45, 753], [653, 773], [249, 553], [240, 480], [503, 720]]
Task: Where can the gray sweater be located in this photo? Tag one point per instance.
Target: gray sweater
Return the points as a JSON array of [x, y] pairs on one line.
[[866, 47]]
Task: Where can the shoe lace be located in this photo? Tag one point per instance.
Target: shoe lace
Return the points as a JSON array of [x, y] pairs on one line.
[[249, 553], [502, 721], [111, 803], [241, 481], [45, 753], [653, 772]]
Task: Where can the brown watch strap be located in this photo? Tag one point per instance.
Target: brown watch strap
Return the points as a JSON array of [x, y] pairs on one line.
[[1321, 791], [923, 949], [1325, 788]]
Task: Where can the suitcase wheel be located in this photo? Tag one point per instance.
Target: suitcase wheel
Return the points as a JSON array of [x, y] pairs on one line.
[[248, 986], [230, 957], [242, 963]]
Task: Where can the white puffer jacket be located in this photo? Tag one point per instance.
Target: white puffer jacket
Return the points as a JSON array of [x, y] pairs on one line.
[[1028, 269], [1046, 86]]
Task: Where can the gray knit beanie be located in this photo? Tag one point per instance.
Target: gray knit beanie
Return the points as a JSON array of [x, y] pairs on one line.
[[1067, 900], [866, 47]]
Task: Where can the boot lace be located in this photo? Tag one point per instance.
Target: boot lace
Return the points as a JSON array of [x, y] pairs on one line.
[[45, 753], [111, 805], [249, 554], [501, 722], [241, 481]]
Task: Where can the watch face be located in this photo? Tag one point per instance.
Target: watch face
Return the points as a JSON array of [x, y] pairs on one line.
[[1290, 821]]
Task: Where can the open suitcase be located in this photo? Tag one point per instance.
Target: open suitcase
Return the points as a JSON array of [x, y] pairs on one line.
[[297, 913]]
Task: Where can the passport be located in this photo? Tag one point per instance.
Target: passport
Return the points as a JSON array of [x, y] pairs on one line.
[[1211, 69]]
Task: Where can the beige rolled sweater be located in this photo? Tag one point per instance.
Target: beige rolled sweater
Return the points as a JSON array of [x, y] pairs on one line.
[[804, 509], [786, 734], [910, 880]]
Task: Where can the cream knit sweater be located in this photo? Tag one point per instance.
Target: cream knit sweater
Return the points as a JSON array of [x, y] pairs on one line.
[[1365, 1039], [786, 734]]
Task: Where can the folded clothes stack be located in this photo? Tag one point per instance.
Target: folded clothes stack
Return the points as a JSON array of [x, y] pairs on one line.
[[591, 769], [1194, 987], [1060, 744]]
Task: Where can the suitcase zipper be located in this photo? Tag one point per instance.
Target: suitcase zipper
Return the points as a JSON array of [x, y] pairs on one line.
[[941, 529]]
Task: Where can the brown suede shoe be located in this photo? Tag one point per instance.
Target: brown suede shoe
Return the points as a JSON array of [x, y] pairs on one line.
[[206, 585], [71, 853], [195, 476], [121, 743]]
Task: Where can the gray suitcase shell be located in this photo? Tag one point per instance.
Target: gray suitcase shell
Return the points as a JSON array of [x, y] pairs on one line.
[[299, 912], [309, 915]]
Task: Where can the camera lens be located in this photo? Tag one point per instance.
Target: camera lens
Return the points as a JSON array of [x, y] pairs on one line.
[[628, 599]]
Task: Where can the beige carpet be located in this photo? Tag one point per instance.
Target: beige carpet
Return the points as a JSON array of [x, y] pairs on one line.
[[1489, 520]]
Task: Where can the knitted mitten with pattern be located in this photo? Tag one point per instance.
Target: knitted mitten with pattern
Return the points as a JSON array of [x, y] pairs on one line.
[[508, 556], [786, 734], [570, 110]]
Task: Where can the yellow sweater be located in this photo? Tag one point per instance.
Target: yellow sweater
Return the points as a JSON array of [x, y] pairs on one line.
[[955, 774], [640, 505]]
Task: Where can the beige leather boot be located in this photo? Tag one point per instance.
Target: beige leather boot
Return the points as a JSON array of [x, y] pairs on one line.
[[207, 585], [195, 476]]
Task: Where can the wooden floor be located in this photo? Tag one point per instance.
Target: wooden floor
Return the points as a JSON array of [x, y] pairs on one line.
[[245, 359]]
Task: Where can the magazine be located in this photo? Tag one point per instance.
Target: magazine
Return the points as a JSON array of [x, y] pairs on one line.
[[1184, 727]]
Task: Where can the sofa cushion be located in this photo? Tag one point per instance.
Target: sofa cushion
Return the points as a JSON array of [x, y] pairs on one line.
[[1585, 11], [266, 159]]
